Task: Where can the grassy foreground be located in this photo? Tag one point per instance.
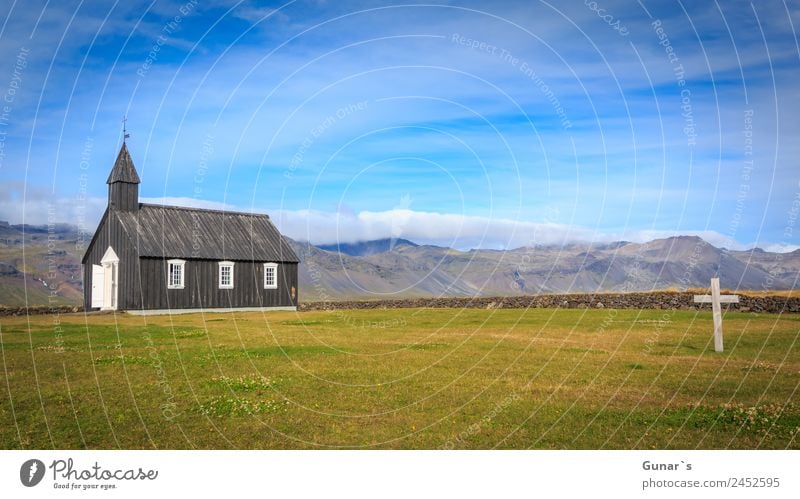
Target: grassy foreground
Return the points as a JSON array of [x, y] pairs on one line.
[[411, 378]]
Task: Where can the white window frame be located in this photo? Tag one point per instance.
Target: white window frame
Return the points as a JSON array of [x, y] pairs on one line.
[[274, 267], [220, 266], [182, 265]]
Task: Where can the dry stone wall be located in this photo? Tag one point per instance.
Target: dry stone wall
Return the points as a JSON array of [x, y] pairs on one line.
[[654, 300], [38, 310]]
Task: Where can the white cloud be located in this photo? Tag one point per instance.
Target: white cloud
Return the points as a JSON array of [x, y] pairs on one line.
[[441, 229], [781, 248], [459, 231], [190, 203], [444, 229], [255, 14], [38, 206]]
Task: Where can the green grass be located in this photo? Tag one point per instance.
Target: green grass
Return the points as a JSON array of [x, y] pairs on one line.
[[235, 406], [442, 378]]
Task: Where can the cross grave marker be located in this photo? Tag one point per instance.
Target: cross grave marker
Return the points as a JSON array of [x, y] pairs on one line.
[[716, 300]]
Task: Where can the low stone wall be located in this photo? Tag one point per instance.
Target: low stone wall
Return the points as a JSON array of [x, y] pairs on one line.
[[653, 300], [39, 310]]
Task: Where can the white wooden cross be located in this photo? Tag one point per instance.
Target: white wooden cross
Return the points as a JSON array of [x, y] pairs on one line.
[[715, 299]]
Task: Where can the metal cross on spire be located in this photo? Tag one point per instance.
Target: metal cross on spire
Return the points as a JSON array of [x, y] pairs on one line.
[[125, 134]]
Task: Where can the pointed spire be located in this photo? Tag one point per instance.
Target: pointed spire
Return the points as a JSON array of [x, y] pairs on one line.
[[123, 170]]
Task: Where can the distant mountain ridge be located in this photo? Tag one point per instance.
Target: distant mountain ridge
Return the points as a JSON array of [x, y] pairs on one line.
[[366, 248], [399, 268], [410, 270]]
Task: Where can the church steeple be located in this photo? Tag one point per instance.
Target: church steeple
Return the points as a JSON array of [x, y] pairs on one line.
[[123, 183]]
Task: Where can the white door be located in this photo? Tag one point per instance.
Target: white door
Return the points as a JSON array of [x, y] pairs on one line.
[[97, 286], [110, 270], [110, 286]]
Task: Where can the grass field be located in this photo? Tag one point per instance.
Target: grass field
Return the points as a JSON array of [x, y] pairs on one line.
[[410, 378]]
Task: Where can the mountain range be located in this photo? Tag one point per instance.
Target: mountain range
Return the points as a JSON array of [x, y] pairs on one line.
[[40, 265], [411, 270]]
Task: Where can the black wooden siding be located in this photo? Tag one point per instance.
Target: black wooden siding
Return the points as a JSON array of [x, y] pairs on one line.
[[111, 233], [123, 196], [143, 281], [201, 286]]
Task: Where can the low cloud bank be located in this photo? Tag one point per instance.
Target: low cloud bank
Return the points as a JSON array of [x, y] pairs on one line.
[[441, 229]]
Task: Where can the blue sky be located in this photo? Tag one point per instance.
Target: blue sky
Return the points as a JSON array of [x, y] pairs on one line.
[[472, 124]]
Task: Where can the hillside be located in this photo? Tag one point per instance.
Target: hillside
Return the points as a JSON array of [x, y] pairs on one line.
[[418, 270], [33, 272], [40, 265], [366, 248]]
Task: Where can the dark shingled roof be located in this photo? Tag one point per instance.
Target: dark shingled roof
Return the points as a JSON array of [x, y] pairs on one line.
[[176, 232], [123, 170]]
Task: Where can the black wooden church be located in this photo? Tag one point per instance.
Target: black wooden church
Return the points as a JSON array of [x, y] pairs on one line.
[[155, 259]]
